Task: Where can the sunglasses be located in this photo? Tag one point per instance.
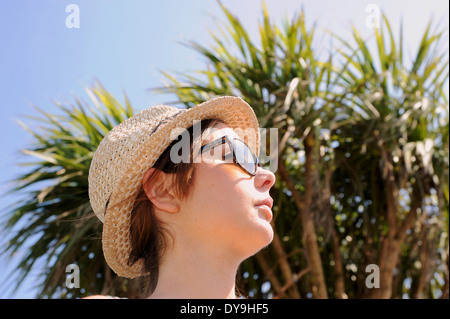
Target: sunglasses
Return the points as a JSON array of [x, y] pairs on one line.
[[238, 150]]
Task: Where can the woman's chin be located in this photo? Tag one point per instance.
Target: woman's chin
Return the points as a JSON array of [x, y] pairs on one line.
[[264, 236], [269, 234]]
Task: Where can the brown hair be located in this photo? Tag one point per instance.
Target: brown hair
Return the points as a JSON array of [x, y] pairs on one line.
[[147, 234]]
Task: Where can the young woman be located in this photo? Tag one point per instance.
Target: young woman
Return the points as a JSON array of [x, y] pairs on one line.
[[183, 197]]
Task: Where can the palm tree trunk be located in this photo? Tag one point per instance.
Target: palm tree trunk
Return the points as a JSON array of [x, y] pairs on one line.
[[268, 272], [445, 294], [284, 265], [424, 264], [338, 268], [309, 235], [388, 260], [391, 244], [397, 282]]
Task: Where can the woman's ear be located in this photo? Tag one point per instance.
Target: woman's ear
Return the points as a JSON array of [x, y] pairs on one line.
[[160, 190]]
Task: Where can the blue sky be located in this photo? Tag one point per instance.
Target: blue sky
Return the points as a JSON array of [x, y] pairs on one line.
[[124, 44]]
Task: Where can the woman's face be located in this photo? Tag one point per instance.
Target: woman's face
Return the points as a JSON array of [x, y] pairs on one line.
[[222, 209]]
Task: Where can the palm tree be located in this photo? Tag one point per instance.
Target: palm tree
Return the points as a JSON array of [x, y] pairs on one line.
[[399, 148], [55, 217]]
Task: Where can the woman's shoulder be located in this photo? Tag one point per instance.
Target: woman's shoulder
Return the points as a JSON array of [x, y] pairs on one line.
[[102, 297]]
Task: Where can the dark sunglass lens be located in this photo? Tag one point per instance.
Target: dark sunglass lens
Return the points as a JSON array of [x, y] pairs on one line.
[[244, 156]]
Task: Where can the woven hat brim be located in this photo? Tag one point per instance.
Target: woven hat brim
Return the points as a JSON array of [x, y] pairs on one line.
[[236, 113]]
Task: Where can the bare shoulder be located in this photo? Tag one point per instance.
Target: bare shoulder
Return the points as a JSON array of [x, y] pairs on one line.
[[99, 297]]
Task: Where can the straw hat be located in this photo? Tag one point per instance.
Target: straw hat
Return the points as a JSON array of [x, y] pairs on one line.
[[131, 148]]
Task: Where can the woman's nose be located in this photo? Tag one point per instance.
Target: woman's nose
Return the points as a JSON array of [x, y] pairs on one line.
[[264, 178]]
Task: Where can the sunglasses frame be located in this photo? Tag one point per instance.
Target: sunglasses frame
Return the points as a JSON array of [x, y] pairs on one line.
[[226, 139]]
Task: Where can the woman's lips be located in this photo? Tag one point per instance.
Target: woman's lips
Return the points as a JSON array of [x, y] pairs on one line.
[[268, 202], [268, 212]]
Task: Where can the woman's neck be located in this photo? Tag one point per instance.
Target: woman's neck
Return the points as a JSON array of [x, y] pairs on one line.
[[196, 271]]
